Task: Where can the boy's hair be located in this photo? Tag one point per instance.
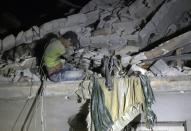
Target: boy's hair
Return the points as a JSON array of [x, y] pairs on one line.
[[74, 38]]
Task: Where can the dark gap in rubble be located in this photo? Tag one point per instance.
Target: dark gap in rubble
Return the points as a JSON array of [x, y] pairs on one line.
[[128, 2]]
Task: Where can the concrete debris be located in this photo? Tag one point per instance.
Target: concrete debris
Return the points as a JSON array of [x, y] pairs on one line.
[[164, 48], [104, 31], [29, 63], [137, 58], [160, 68], [32, 34], [111, 25], [187, 70], [125, 27], [113, 41], [169, 14], [77, 19], [92, 17], [5, 79], [8, 42], [70, 28], [20, 38], [184, 19], [25, 76], [29, 35], [140, 9], [125, 60]]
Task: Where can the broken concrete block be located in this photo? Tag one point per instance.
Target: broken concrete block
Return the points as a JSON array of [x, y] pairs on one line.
[[20, 38], [58, 24], [36, 32], [125, 60], [169, 14], [141, 9], [126, 27], [28, 35], [8, 42], [52, 26], [135, 38], [70, 28], [90, 6], [25, 76], [92, 17], [160, 68], [77, 19], [113, 41], [104, 31], [137, 58], [45, 29], [105, 16]]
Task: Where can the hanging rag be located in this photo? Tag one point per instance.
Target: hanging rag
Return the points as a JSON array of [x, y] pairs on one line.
[[150, 116], [122, 104]]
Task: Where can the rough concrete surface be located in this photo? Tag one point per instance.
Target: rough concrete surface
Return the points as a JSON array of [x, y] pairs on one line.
[[57, 110]]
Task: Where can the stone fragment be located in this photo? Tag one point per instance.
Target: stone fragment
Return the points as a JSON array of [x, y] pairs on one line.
[[8, 42], [77, 19], [160, 68], [28, 35], [20, 38]]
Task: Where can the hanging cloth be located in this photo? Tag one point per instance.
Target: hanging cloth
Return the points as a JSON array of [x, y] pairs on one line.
[[122, 104]]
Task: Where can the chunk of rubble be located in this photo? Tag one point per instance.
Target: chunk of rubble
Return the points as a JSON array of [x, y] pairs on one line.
[[113, 41], [8, 42], [28, 35], [76, 19], [20, 38], [92, 17], [160, 68], [169, 14], [125, 60], [25, 76]]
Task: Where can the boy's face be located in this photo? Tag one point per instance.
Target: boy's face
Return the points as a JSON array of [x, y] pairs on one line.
[[68, 43]]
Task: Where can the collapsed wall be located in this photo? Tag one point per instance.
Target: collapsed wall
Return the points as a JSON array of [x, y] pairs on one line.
[[112, 23]]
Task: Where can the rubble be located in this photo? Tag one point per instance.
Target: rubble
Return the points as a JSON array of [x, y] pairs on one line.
[[160, 68], [8, 42], [20, 38], [169, 14], [166, 47], [121, 26], [25, 76]]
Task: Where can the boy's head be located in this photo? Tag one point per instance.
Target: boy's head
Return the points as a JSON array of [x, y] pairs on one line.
[[71, 39]]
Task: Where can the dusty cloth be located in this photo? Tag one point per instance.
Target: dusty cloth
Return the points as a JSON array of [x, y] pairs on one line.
[[123, 103], [52, 53], [129, 97]]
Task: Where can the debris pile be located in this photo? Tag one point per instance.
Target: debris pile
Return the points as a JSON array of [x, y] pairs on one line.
[[133, 30]]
